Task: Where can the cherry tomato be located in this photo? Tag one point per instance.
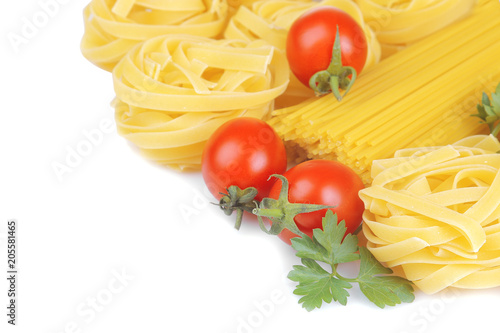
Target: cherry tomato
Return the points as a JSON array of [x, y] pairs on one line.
[[322, 182], [244, 152], [311, 37]]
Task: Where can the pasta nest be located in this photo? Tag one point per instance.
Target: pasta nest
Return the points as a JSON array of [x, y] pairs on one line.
[[399, 23], [173, 91], [113, 27], [271, 20], [433, 214]]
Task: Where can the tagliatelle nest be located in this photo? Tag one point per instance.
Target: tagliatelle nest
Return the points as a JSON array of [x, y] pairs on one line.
[[174, 91], [434, 213], [113, 27]]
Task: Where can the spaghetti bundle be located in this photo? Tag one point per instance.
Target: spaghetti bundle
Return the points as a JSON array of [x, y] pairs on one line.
[[434, 214], [113, 27], [173, 91], [271, 20], [399, 23], [423, 95]]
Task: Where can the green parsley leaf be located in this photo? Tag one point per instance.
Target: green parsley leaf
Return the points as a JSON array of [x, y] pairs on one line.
[[307, 247], [329, 246], [382, 290], [331, 239], [317, 285]]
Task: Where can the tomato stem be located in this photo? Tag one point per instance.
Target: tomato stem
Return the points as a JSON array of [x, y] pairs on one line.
[[336, 76], [272, 213], [239, 218]]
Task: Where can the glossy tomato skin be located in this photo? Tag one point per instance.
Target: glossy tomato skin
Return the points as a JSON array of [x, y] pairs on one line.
[[323, 182], [310, 42], [243, 152]]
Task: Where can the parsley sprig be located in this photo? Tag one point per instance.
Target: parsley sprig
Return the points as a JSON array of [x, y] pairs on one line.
[[489, 111], [317, 285], [329, 245]]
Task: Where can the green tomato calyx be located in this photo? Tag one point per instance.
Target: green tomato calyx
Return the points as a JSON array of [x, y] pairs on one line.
[[238, 200], [336, 76], [281, 212]]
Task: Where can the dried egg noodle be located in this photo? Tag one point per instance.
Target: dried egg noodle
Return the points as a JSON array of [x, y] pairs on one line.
[[402, 22], [434, 213], [422, 95], [113, 27], [271, 20], [173, 91]]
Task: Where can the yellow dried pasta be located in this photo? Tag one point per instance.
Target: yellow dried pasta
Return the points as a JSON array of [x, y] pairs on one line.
[[434, 214], [400, 23], [113, 27], [173, 91]]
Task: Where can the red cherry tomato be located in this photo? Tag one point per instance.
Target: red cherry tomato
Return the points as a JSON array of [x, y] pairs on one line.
[[310, 42], [244, 152], [322, 182]]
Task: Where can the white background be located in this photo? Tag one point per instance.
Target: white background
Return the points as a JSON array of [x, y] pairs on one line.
[[121, 245]]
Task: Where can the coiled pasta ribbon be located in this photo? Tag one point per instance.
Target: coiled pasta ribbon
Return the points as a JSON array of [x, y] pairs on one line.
[[113, 27], [271, 20], [434, 213], [173, 91], [402, 22]]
